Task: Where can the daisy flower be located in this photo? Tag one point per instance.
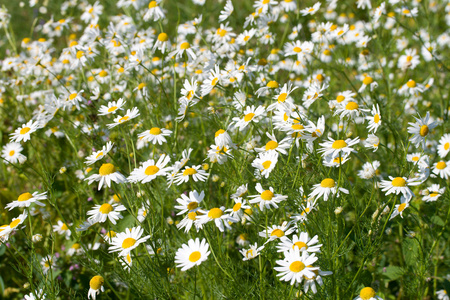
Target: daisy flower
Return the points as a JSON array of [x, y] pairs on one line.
[[192, 254], [112, 107], [372, 142], [374, 119], [223, 139], [265, 163], [369, 170], [302, 242], [150, 170], [155, 135], [420, 130], [310, 282], [106, 173], [342, 98], [23, 133], [444, 145], [273, 144], [239, 207], [409, 60], [252, 252], [188, 221], [398, 185], [442, 295], [6, 230], [367, 81], [295, 266], [131, 114], [337, 147], [217, 215], [99, 213], [196, 172], [189, 89], [310, 10], [182, 48], [154, 12], [298, 48], [219, 154], [98, 155], [432, 193], [47, 263], [126, 241], [95, 286], [329, 161], [26, 199], [367, 293], [282, 97], [266, 198], [350, 110], [325, 188], [277, 232], [189, 204], [227, 11], [442, 169], [162, 42], [63, 229], [11, 153], [251, 114]]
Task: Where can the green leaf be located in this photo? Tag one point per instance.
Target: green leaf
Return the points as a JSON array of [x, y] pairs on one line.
[[393, 273], [437, 220]]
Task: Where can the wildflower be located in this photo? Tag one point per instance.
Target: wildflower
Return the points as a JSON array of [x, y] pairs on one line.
[[191, 203], [273, 144], [238, 209], [442, 169], [112, 107], [367, 293], [265, 163], [325, 188], [106, 174], [182, 48], [217, 215], [99, 213], [63, 229], [444, 145], [372, 141], [310, 282], [96, 286], [302, 242], [375, 119], [368, 81], [150, 170], [399, 208], [338, 147], [23, 133], [442, 295], [398, 185], [128, 240], [222, 139], [310, 10], [227, 11], [351, 110], [162, 42], [47, 263], [155, 135], [295, 266], [194, 172], [154, 12], [252, 252], [98, 155], [11, 153], [251, 114], [266, 198], [277, 232], [433, 193], [131, 114], [420, 130], [26, 199], [192, 254], [219, 154], [369, 170]]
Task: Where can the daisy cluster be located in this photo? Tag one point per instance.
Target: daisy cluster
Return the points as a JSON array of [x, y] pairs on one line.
[[165, 149]]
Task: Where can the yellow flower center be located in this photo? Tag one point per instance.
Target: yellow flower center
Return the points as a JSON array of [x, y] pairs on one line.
[[328, 183], [185, 46], [297, 127], [267, 195], [300, 245], [367, 293], [248, 117], [141, 86], [195, 256], [367, 80], [398, 182], [446, 146], [215, 213], [277, 232], [163, 37], [272, 84], [296, 266], [106, 169], [106, 208], [401, 207], [237, 206], [411, 84], [441, 165], [14, 223], [297, 49], [340, 98], [409, 58], [155, 131], [152, 4], [434, 195], [76, 246], [128, 242], [103, 73], [80, 54], [64, 227], [351, 105], [24, 130], [113, 108], [192, 205], [189, 171], [424, 130], [192, 216], [219, 132], [151, 170], [339, 144], [271, 145], [96, 282], [11, 153], [24, 197], [376, 118], [124, 119], [266, 164]]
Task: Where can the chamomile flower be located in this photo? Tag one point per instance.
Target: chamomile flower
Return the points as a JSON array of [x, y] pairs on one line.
[[295, 266], [282, 98], [338, 147], [106, 174], [155, 135], [96, 286], [26, 199], [188, 221], [219, 154], [182, 48], [374, 119], [150, 170], [420, 130], [14, 225], [63, 229], [112, 107], [238, 209], [154, 12], [252, 252], [303, 242], [266, 198], [310, 282], [444, 145], [350, 110], [251, 114], [367, 293], [194, 172], [342, 98], [265, 163], [372, 142], [310, 10], [48, 262], [398, 185], [191, 203], [442, 169], [226, 12], [192, 254], [23, 133], [99, 213], [98, 155], [222, 139], [162, 42], [277, 232], [369, 170], [11, 153], [325, 188], [217, 215], [273, 144], [131, 114], [368, 81], [442, 295], [433, 193], [128, 240], [75, 249]]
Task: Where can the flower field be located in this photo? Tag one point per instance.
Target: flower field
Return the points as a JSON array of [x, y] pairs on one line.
[[195, 149]]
